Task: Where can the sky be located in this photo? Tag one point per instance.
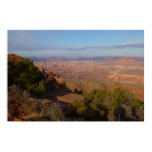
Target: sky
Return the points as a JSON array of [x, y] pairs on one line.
[[76, 43]]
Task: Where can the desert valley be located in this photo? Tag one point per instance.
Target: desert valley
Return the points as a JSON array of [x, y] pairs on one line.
[[87, 73]]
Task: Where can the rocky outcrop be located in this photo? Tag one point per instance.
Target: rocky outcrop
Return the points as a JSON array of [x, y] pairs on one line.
[[12, 59], [52, 77]]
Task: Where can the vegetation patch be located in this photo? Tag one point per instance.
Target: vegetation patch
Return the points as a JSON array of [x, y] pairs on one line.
[[27, 76]]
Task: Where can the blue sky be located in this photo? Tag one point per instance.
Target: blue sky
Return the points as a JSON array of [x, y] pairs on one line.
[[76, 43]]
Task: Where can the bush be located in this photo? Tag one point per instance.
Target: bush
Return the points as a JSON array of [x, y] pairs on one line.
[[28, 77], [32, 106], [16, 99], [21, 105], [119, 105], [87, 109], [56, 112]]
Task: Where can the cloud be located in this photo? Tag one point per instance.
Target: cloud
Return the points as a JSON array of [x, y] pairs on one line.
[[33, 46], [108, 47]]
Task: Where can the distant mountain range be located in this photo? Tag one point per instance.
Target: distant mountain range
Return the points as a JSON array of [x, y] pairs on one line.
[[102, 59]]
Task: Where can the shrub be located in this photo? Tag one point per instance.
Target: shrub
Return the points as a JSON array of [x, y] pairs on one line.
[[119, 105], [17, 95], [135, 103], [32, 106], [24, 74], [87, 109], [16, 99], [124, 105], [56, 112]]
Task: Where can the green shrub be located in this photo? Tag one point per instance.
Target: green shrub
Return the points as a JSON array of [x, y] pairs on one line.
[[89, 109], [135, 103], [119, 105], [24, 74]]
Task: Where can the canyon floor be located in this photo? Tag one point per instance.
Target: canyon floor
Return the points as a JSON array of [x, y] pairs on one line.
[[85, 75]]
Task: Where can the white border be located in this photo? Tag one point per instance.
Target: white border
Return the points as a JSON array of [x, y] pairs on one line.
[[76, 136]]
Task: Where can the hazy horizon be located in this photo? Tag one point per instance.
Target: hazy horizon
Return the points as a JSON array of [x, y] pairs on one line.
[[76, 56], [85, 56]]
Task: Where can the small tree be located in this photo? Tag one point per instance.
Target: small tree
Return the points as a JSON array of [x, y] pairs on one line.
[[27, 76]]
